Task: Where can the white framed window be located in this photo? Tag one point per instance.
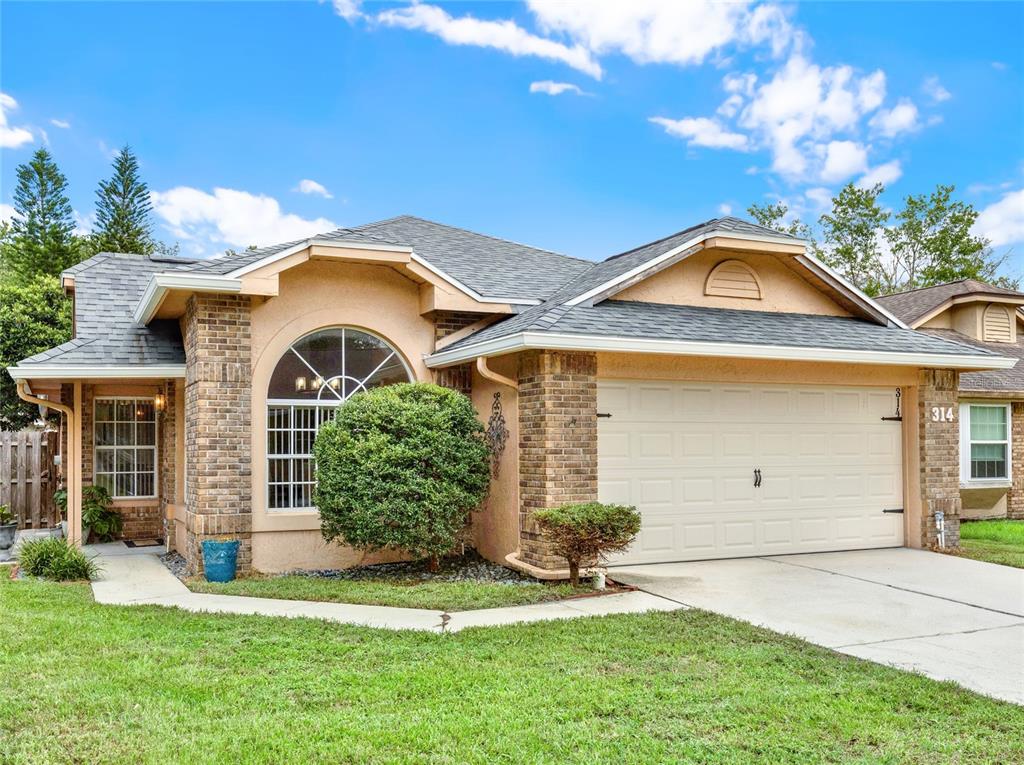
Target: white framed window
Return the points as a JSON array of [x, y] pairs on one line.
[[984, 442], [316, 374], [124, 446]]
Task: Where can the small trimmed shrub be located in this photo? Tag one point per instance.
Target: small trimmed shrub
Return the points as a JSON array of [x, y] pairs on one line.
[[104, 524], [6, 516], [53, 558], [590, 530], [402, 467]]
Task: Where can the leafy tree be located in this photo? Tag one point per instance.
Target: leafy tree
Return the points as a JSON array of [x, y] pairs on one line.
[[774, 216], [401, 467], [932, 243], [33, 317], [851, 237], [123, 210], [588, 531], [40, 239]]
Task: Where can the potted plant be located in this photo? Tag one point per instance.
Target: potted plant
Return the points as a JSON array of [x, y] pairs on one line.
[[8, 526], [220, 559], [100, 523], [60, 499]]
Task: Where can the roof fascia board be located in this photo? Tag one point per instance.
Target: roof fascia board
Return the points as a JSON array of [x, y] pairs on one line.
[[160, 284], [79, 371], [676, 257], [829, 275], [553, 341], [655, 264]]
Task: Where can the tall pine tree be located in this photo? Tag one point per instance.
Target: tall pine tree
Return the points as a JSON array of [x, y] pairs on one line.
[[123, 210], [41, 239]]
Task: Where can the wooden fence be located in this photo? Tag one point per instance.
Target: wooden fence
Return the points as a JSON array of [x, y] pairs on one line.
[[28, 477]]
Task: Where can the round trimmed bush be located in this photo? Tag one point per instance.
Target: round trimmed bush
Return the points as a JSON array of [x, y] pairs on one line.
[[588, 531], [401, 467]]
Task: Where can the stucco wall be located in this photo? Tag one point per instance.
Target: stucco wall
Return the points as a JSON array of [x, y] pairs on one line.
[[496, 525], [311, 296], [782, 290]]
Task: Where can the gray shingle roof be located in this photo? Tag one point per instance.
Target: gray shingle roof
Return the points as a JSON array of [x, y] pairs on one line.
[[485, 264], [655, 321], [107, 288], [993, 379], [912, 305]]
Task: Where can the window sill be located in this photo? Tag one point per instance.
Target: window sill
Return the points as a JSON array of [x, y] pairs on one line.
[[996, 483]]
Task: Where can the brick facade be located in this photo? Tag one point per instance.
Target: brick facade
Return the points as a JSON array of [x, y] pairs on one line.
[[557, 441], [1015, 498], [458, 378], [167, 439], [447, 322], [218, 382], [940, 453]]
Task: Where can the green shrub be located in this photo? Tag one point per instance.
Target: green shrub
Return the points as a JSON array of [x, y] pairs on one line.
[[590, 530], [401, 466], [6, 516], [104, 524], [54, 558]]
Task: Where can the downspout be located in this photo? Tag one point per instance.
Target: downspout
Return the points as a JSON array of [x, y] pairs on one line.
[[487, 373], [73, 468]]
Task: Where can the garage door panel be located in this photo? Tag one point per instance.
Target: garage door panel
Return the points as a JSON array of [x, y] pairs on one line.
[[685, 454]]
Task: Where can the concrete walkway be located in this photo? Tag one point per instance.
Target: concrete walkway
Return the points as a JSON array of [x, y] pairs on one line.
[[946, 617], [138, 577]]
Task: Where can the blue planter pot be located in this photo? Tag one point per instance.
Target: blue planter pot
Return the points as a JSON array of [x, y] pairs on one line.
[[220, 560]]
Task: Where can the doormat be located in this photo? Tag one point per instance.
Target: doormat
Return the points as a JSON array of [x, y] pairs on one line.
[[143, 542]]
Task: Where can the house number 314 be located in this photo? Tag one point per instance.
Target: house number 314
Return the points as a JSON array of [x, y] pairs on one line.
[[942, 414]]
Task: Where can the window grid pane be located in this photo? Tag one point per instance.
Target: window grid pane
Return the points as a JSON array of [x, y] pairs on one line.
[[124, 435], [988, 423]]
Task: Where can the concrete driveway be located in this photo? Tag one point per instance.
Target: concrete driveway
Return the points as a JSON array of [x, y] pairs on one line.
[[946, 617]]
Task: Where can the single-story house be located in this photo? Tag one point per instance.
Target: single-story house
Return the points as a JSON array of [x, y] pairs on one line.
[[991, 403], [742, 395]]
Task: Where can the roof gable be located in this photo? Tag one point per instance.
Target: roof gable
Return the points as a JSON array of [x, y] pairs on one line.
[[915, 306]]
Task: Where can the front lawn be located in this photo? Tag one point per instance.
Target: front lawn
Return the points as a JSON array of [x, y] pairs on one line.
[[994, 541], [408, 593], [144, 684]]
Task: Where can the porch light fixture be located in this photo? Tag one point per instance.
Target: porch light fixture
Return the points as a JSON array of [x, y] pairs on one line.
[[300, 384], [158, 402]]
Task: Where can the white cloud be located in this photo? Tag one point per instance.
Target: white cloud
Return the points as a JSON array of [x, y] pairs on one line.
[[725, 209], [900, 119], [348, 9], [885, 174], [1003, 222], [934, 90], [6, 212], [820, 199], [504, 35], [11, 137], [843, 159], [659, 31], [62, 124], [229, 218], [555, 88], [701, 131], [999, 66], [307, 186]]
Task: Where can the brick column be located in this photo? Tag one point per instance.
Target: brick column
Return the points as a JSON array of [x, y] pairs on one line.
[[1015, 499], [940, 453], [557, 441], [218, 383]]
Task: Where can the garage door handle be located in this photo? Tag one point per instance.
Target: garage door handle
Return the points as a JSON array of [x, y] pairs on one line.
[[757, 477]]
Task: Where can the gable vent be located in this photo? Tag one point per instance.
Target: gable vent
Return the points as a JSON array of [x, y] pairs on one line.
[[733, 278], [997, 325]]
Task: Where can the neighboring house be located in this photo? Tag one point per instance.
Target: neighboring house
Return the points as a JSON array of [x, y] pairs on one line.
[[991, 404], [743, 396]]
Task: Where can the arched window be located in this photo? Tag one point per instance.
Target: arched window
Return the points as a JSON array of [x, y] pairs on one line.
[[316, 374]]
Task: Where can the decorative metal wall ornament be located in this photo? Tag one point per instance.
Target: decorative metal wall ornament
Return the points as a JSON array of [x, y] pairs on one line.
[[497, 434]]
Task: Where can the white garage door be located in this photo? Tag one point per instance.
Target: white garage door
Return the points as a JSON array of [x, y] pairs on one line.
[[685, 454]]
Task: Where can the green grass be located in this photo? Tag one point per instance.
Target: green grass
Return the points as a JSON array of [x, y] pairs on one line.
[[994, 541], [101, 684], [411, 593]]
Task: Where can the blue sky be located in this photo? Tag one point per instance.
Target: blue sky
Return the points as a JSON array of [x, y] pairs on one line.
[[676, 112]]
